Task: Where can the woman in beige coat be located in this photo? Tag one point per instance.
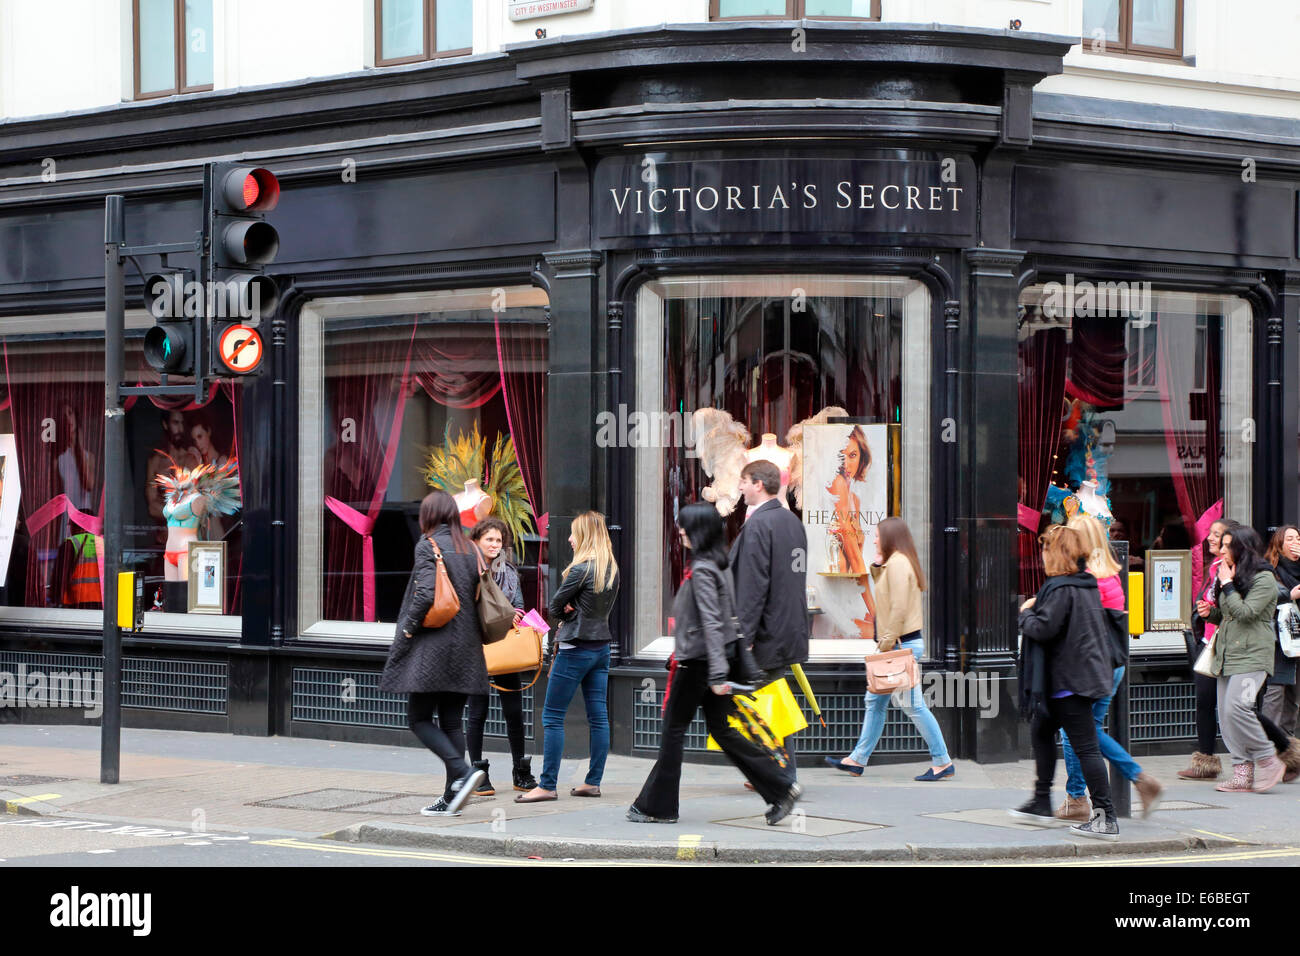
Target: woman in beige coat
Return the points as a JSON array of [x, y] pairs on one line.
[[899, 582]]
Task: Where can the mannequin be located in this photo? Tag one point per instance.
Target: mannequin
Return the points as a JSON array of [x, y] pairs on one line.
[[1092, 503], [769, 450], [473, 503]]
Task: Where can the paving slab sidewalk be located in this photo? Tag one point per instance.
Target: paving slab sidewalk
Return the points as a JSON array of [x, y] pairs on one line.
[[372, 794]]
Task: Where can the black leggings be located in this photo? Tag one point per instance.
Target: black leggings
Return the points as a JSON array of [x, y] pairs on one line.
[[446, 738], [1276, 735], [512, 708], [1073, 714]]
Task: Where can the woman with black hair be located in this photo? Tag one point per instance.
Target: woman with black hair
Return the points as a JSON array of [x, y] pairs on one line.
[[1245, 600], [708, 656], [440, 667]]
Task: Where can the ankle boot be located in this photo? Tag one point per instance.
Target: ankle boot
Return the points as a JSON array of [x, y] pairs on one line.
[[485, 788], [523, 774], [1291, 757], [1242, 780], [1204, 767]]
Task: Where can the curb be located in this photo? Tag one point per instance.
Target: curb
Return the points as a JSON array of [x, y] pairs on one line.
[[402, 835], [13, 807]]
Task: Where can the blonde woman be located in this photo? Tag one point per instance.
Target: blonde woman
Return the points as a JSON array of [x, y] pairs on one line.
[[1103, 566], [582, 603]]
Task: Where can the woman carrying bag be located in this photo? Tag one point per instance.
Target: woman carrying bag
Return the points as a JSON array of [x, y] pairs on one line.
[[490, 536], [439, 667], [1205, 765], [1245, 602], [582, 602], [710, 653], [1066, 665], [899, 582], [1281, 701]]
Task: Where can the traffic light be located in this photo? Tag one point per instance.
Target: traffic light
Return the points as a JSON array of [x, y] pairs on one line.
[[169, 345], [242, 242]]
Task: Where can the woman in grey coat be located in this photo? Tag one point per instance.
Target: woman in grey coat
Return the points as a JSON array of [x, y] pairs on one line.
[[440, 667]]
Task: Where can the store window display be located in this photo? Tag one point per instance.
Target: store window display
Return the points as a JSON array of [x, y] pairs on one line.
[[756, 365], [1123, 412], [51, 415], [401, 395]]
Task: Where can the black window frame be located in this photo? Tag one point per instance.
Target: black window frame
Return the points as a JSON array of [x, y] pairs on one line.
[[794, 10], [430, 39]]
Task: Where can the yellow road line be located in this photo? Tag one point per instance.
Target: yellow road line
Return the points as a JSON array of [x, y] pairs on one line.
[[1221, 836], [11, 806], [396, 854]]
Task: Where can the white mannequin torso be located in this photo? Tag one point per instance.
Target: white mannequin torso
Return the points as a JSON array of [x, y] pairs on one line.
[[768, 450]]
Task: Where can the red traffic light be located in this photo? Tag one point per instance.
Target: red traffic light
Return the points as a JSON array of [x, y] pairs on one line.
[[250, 189]]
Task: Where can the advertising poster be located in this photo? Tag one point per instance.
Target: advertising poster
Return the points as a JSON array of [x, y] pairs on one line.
[[846, 496], [10, 492]]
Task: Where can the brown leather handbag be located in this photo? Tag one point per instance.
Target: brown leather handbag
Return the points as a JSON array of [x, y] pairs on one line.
[[891, 671], [519, 650], [496, 615], [446, 602]]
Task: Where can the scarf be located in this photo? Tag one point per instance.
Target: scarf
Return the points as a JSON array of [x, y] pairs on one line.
[[1288, 571]]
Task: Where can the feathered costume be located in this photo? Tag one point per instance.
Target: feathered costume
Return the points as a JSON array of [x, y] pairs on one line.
[[218, 485], [721, 443]]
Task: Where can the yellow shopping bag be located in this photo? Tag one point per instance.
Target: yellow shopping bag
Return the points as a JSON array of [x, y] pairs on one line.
[[778, 708]]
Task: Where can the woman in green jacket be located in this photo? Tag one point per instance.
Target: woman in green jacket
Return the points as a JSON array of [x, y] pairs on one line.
[[1243, 657]]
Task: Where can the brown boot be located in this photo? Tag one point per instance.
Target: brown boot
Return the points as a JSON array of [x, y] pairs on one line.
[[1291, 757], [1204, 767], [1075, 810], [1149, 790]]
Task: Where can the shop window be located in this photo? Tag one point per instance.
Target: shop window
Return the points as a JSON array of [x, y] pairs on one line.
[[1158, 464], [402, 395], [1142, 27], [794, 9], [51, 483], [410, 30], [768, 353], [173, 47]]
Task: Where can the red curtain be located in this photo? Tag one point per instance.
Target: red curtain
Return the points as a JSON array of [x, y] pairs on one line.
[[457, 372], [57, 404], [521, 364], [1198, 482], [1097, 357], [1042, 394], [234, 393]]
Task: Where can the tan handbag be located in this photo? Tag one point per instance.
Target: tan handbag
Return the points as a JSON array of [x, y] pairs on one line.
[[891, 671], [446, 602], [519, 650]]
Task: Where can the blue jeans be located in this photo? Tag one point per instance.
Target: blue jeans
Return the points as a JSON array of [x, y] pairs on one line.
[[1110, 750], [873, 725], [576, 667]]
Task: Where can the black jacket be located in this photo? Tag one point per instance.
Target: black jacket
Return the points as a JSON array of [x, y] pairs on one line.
[[771, 599], [448, 659], [1074, 631], [589, 619], [702, 619]]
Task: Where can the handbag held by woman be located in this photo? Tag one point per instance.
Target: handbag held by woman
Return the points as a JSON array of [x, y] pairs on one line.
[[446, 603], [496, 615], [519, 650], [891, 671]]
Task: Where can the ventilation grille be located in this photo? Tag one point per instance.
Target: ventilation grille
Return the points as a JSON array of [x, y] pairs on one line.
[[148, 683]]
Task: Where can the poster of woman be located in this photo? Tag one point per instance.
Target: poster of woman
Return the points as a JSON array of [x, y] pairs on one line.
[[846, 482]]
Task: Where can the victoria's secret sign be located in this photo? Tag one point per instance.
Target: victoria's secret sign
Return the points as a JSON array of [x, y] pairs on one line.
[[644, 197]]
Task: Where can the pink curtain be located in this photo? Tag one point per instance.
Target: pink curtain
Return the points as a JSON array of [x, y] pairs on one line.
[[457, 372], [1198, 482], [234, 393], [1042, 395], [56, 399], [521, 362]]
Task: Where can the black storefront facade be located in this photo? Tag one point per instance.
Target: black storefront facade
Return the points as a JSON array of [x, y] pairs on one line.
[[650, 222]]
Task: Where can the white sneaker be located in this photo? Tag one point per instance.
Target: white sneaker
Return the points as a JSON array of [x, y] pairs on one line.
[[439, 809], [463, 789]]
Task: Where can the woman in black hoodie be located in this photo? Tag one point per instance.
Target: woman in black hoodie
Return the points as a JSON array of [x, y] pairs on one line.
[[1066, 663]]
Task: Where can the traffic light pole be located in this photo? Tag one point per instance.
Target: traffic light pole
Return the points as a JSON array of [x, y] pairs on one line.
[[114, 482]]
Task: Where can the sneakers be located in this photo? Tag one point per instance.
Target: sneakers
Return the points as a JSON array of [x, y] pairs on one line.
[[1204, 767], [1149, 790], [1242, 780], [636, 816], [439, 809], [1074, 809], [1268, 774], [1038, 811], [782, 809], [523, 774], [485, 788], [461, 790], [1100, 827]]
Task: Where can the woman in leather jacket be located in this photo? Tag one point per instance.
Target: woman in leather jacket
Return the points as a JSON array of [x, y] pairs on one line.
[[582, 603], [707, 655]]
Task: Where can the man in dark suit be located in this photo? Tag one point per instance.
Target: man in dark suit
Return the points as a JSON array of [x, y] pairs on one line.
[[768, 559]]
